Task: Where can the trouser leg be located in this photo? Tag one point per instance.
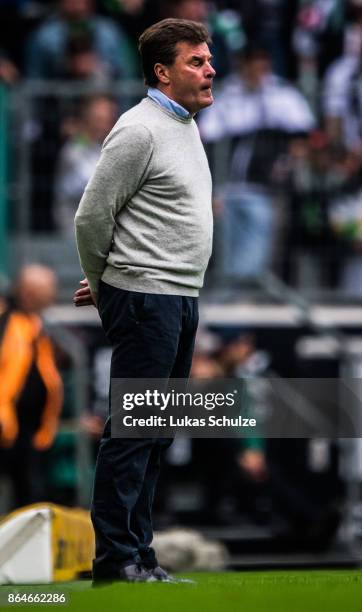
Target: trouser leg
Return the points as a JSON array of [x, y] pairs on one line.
[[141, 522], [120, 471], [145, 332]]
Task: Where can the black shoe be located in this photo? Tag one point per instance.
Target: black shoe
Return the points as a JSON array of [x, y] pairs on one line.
[[162, 576], [131, 573], [136, 573]]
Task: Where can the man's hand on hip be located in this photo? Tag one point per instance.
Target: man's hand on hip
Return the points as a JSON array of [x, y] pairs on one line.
[[84, 296]]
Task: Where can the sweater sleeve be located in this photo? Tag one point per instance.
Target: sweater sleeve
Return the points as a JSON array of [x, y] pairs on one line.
[[120, 172]]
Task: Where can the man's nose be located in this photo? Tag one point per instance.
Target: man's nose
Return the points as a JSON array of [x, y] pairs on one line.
[[210, 71]]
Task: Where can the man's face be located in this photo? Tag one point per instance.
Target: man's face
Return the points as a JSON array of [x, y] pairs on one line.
[[189, 79], [100, 119], [36, 289], [76, 9], [196, 10], [256, 71]]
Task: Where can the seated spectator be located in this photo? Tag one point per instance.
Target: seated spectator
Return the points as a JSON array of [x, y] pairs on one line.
[[47, 45], [78, 158], [31, 390], [240, 358], [259, 114]]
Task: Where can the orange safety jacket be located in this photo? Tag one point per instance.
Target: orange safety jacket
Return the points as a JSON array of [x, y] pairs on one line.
[[23, 345]]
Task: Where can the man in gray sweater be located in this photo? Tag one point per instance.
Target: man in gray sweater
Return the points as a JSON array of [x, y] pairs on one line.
[[144, 236]]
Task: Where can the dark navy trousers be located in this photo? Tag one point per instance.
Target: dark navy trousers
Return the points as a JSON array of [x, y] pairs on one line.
[[152, 336]]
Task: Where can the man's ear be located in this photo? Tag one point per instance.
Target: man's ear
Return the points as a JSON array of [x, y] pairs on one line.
[[162, 74]]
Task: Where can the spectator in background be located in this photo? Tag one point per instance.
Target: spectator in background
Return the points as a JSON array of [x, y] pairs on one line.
[[81, 62], [342, 102], [353, 28], [78, 159], [345, 221], [31, 391], [218, 473], [235, 467], [240, 358], [17, 18], [278, 478], [134, 16], [267, 23], [9, 73], [77, 45], [56, 118], [310, 251], [195, 10], [317, 40], [259, 114], [47, 45], [324, 238]]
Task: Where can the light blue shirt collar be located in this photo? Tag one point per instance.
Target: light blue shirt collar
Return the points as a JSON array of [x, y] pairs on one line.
[[159, 97]]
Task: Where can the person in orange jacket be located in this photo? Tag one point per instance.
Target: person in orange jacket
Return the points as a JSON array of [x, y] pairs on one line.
[[31, 390]]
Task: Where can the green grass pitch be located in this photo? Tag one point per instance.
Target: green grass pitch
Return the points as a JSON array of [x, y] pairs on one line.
[[272, 591]]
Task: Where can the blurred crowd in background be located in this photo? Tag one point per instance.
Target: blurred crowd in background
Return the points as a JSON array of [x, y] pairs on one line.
[[288, 103]]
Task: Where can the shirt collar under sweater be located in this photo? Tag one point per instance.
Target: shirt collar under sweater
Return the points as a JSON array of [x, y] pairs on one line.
[[159, 97]]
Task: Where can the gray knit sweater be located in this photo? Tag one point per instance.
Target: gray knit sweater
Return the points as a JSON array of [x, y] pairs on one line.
[[145, 222]]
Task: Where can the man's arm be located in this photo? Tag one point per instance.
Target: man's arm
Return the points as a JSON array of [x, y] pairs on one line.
[[120, 172]]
